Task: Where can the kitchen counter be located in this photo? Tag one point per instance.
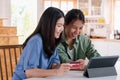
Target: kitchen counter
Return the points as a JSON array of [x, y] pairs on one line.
[[109, 40], [107, 46]]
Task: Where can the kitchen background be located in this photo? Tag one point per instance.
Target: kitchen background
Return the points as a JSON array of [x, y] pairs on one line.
[[18, 19]]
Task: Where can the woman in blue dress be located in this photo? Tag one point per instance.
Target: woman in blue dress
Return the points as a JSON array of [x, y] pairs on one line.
[[39, 57]]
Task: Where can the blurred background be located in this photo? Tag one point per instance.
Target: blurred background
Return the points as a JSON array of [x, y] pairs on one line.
[[19, 18]]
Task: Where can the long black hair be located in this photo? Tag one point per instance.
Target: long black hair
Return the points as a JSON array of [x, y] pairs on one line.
[[46, 28]]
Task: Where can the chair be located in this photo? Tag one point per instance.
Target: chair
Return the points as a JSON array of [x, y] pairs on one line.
[[9, 56]]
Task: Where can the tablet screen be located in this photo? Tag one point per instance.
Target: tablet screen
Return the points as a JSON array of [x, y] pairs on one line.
[[103, 61], [97, 66]]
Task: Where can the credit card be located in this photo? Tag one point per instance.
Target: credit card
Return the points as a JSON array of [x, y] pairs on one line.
[[74, 64]]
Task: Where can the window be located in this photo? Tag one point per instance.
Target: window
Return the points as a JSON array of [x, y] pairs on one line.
[[24, 16], [64, 5]]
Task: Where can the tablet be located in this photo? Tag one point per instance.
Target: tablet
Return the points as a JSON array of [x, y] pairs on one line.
[[101, 62]]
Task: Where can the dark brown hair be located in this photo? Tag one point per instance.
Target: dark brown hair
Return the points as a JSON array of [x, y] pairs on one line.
[[74, 14]]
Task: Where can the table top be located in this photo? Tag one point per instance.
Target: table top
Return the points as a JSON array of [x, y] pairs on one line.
[[78, 75]]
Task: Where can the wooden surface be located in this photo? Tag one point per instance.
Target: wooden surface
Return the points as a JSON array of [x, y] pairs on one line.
[[9, 56]]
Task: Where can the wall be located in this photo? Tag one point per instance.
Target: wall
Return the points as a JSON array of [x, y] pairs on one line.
[[39, 9], [5, 11], [107, 10]]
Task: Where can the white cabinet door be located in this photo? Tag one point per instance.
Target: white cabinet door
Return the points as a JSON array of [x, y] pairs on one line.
[[107, 48], [91, 7], [101, 47], [114, 48]]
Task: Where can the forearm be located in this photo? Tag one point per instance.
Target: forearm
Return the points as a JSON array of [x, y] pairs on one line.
[[40, 73]]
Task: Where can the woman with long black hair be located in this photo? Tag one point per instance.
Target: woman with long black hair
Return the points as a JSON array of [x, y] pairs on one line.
[[39, 56]]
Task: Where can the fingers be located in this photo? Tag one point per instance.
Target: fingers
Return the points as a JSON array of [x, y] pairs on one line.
[[65, 67], [66, 64], [82, 67], [80, 60]]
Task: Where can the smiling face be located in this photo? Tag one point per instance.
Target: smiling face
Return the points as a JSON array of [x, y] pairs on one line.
[[73, 29], [59, 27]]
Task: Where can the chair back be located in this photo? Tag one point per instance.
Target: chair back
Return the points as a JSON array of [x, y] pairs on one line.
[[9, 57]]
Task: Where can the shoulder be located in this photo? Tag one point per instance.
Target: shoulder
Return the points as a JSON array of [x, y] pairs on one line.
[[35, 41], [35, 38], [61, 46], [83, 37], [34, 45]]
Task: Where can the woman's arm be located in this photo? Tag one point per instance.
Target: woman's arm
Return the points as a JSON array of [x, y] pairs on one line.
[[40, 72], [64, 68]]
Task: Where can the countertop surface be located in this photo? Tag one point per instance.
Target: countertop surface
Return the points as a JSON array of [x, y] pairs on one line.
[[78, 75], [113, 40]]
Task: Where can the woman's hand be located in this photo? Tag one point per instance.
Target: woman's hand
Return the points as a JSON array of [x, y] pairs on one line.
[[59, 69], [63, 68]]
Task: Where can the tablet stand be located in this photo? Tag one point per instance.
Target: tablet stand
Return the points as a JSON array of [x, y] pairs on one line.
[[99, 72]]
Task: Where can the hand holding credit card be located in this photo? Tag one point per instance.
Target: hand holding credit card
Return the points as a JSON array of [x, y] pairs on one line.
[[75, 65]]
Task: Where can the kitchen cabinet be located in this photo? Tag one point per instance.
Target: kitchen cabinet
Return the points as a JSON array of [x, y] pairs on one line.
[[91, 7], [107, 47], [101, 46], [96, 30], [95, 22], [114, 48]]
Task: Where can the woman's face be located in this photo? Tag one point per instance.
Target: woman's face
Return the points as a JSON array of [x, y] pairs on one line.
[[73, 29], [59, 27]]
